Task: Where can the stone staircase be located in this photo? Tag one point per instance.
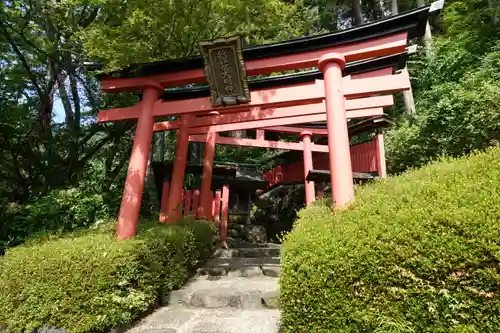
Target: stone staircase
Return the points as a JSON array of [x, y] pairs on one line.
[[234, 292]]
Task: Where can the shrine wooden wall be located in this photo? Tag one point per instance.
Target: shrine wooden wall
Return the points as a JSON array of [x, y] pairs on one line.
[[364, 158]]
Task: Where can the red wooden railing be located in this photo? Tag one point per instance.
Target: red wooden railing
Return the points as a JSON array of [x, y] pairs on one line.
[[364, 158], [190, 206]]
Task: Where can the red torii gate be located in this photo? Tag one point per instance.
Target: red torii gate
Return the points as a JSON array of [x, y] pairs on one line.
[[332, 99]]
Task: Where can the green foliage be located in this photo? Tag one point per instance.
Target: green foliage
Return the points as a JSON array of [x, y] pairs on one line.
[[148, 30], [415, 253], [92, 282], [58, 211], [456, 90], [457, 119]]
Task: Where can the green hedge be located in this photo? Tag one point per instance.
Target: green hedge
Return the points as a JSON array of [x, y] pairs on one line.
[[415, 253], [91, 282], [58, 210]]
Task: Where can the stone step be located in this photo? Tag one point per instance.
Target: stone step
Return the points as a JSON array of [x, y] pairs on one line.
[[248, 252], [239, 243], [238, 293], [241, 267], [188, 320]]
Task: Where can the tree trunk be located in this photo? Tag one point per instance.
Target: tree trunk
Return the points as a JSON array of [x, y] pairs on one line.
[[428, 39], [331, 8], [408, 100], [427, 35], [357, 14], [238, 134], [394, 7], [381, 7]]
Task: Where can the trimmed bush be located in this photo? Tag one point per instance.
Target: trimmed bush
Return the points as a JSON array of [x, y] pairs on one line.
[[91, 282], [56, 211], [415, 253]]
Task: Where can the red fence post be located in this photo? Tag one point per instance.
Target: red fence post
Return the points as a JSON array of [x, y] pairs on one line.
[[164, 201], [205, 206], [177, 180], [187, 202], [308, 165], [217, 202], [196, 202], [225, 212], [381, 163]]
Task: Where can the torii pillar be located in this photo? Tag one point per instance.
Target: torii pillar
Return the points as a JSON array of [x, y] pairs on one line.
[[134, 183], [205, 206], [308, 165], [331, 65], [174, 208]]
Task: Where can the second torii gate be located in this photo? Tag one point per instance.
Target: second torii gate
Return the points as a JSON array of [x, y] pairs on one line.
[[329, 100]]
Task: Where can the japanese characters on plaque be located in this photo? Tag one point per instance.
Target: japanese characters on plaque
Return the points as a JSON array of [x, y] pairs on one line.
[[225, 71]]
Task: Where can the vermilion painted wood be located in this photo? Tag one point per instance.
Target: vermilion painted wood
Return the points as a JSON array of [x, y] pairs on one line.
[[269, 99], [307, 93], [225, 212], [351, 52], [177, 179], [260, 134], [242, 142], [259, 124], [164, 201], [187, 202], [336, 121], [134, 183], [354, 109], [282, 121], [376, 85], [285, 173], [217, 203], [274, 175], [272, 97], [207, 213], [255, 113], [381, 162], [322, 162], [297, 130], [364, 113], [375, 73], [368, 103], [363, 157], [320, 193], [308, 165], [356, 51], [196, 202], [206, 180]]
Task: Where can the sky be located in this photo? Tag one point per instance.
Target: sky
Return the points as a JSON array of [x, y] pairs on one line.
[[58, 115]]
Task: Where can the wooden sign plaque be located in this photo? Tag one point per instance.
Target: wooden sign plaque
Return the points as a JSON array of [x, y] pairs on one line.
[[225, 71]]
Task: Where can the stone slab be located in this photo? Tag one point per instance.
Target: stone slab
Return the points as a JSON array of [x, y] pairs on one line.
[[240, 293], [249, 252], [181, 320]]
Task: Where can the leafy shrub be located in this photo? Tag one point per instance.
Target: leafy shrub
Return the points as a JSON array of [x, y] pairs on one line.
[[91, 282], [456, 89], [457, 118], [415, 253], [61, 210]]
